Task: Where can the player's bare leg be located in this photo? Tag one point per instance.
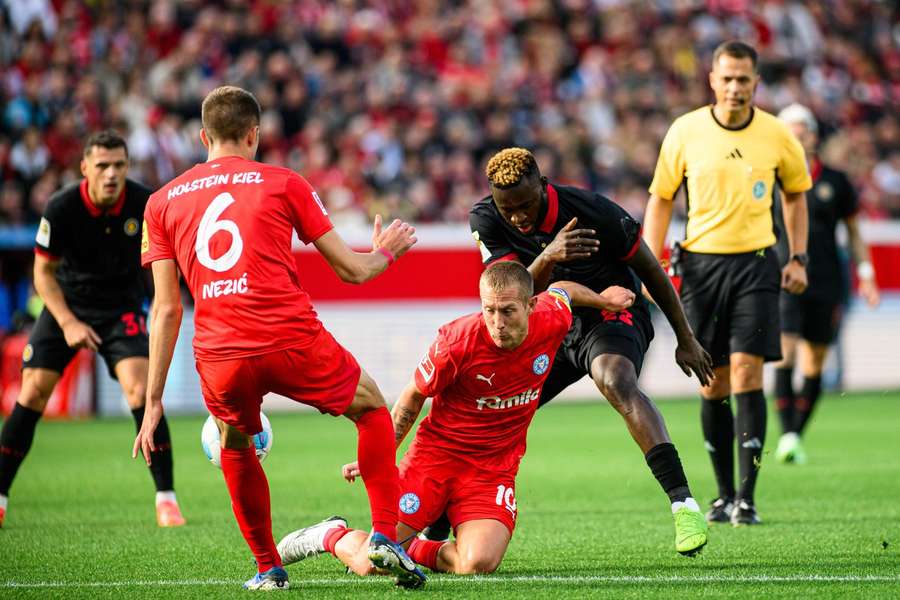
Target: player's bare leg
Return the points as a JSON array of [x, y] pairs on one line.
[[616, 378], [750, 431], [132, 375], [479, 547], [18, 430]]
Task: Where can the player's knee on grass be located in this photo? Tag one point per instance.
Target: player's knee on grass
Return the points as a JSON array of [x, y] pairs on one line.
[[232, 438], [37, 387], [368, 397], [478, 563]]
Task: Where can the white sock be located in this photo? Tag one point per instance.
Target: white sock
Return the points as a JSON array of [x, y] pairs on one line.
[[688, 502], [4, 501], [165, 497]]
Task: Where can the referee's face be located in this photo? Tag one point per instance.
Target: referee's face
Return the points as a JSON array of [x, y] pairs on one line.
[[505, 313], [734, 81], [105, 170], [521, 204]]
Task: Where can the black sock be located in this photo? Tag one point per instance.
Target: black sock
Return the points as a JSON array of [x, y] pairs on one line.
[[15, 442], [809, 395], [718, 431], [784, 397], [666, 467], [751, 435], [161, 459]]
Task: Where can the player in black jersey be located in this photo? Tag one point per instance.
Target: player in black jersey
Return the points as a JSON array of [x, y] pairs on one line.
[[567, 233], [810, 321], [87, 270]]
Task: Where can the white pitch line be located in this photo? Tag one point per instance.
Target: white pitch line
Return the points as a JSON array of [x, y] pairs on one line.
[[491, 579]]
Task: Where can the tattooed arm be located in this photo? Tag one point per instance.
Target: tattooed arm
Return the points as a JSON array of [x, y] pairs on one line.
[[406, 410]]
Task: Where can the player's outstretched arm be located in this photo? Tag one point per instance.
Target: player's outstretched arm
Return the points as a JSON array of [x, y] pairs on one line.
[[613, 298], [689, 355], [78, 334], [796, 225], [165, 322], [358, 267]]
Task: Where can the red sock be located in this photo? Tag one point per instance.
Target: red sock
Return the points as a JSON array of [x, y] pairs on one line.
[[249, 491], [333, 536], [377, 455], [425, 552]]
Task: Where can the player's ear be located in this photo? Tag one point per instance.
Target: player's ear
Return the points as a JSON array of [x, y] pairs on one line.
[[253, 137], [204, 138], [532, 302], [84, 166]]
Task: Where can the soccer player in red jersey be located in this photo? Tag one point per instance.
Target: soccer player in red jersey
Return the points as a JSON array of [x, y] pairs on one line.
[[227, 225], [485, 372]]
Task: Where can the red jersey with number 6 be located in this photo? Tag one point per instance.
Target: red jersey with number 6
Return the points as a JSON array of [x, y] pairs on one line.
[[486, 396], [228, 225]]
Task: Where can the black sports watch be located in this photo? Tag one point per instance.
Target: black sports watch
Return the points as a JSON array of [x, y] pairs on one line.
[[802, 258]]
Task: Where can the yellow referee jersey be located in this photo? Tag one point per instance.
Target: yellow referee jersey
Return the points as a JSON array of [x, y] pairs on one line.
[[729, 176]]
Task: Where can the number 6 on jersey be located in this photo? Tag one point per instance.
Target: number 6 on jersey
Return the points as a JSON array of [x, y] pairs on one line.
[[209, 226]]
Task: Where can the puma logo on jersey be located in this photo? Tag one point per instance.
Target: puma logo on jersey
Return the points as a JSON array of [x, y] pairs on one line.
[[481, 377], [734, 154]]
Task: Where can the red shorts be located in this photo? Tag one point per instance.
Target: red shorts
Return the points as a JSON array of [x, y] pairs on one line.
[[323, 375], [431, 484]]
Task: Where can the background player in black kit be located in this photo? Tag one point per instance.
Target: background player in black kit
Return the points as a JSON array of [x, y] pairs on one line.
[[810, 321], [87, 270], [567, 233]]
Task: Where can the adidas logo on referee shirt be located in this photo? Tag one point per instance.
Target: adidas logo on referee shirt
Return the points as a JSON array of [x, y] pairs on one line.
[[734, 154]]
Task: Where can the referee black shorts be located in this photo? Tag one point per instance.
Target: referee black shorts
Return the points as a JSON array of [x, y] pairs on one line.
[[594, 332], [813, 319], [123, 335], [731, 302]]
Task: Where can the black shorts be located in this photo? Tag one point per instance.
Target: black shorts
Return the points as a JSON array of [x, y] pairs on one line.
[[595, 332], [816, 321], [124, 334], [731, 302]]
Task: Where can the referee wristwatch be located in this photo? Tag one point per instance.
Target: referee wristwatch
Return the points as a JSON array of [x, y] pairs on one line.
[[802, 258]]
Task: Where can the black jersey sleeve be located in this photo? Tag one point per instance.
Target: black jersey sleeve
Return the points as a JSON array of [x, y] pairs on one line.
[[618, 232], [488, 233], [51, 235]]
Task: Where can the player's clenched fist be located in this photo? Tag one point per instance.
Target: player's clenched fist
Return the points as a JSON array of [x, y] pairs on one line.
[[350, 471], [397, 238], [617, 298]]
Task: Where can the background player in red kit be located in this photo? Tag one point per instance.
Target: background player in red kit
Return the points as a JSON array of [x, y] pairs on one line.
[[227, 225], [485, 372]]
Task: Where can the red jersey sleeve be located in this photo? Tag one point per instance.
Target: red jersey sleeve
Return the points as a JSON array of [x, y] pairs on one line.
[[557, 302], [437, 369], [307, 211], [155, 243]]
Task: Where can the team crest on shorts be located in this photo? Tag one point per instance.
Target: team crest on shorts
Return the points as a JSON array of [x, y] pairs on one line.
[[409, 503], [131, 227], [759, 190], [27, 352], [540, 364]]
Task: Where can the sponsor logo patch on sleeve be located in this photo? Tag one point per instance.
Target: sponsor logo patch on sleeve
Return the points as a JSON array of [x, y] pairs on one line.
[[43, 233]]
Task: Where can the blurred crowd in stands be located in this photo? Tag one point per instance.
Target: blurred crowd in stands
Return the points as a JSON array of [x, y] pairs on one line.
[[394, 106]]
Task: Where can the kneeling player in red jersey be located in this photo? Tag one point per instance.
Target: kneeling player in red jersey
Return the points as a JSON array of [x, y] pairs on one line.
[[485, 373]]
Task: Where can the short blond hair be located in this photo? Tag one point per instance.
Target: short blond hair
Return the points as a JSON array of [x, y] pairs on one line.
[[509, 166], [505, 274]]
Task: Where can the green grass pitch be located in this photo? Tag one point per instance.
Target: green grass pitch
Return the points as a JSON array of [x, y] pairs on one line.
[[592, 521]]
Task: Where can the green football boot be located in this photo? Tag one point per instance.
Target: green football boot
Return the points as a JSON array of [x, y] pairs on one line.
[[691, 531]]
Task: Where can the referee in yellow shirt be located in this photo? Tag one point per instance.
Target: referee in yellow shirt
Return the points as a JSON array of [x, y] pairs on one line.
[[729, 157]]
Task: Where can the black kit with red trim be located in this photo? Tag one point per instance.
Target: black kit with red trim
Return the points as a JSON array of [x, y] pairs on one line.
[[98, 250]]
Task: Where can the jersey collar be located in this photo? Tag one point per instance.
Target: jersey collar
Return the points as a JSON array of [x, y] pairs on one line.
[[549, 221], [96, 211], [815, 168], [726, 127]]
